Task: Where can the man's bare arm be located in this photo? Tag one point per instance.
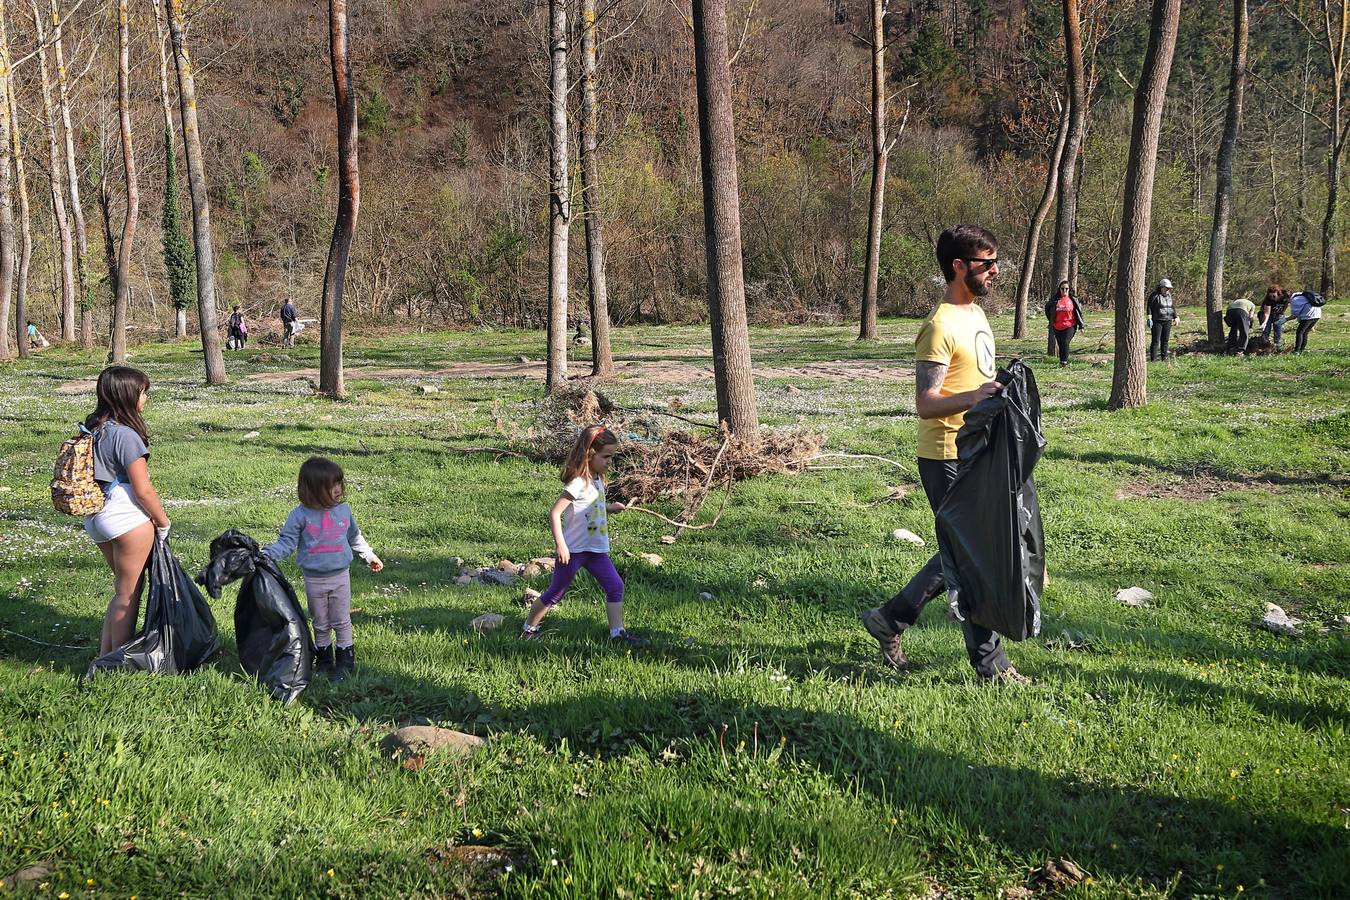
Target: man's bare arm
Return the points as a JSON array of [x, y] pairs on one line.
[[929, 401]]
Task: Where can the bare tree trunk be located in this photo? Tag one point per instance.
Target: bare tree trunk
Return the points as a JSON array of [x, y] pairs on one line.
[[559, 198], [602, 356], [1223, 191], [349, 204], [201, 206], [25, 219], [55, 169], [1129, 382], [119, 324], [1034, 230], [7, 209], [722, 221], [881, 150], [180, 312], [83, 289], [1336, 46], [1068, 163]]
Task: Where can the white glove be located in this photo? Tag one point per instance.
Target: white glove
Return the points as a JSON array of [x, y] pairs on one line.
[[161, 533]]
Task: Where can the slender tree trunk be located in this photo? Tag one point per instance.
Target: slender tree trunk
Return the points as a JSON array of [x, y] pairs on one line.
[[1068, 163], [201, 206], [867, 330], [1129, 383], [1034, 230], [83, 289], [722, 221], [105, 203], [25, 219], [602, 356], [119, 325], [1336, 32], [170, 217], [7, 209], [559, 198], [55, 169], [349, 204], [1223, 191]]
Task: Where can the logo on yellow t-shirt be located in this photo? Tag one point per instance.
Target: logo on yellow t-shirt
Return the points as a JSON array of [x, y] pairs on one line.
[[984, 353]]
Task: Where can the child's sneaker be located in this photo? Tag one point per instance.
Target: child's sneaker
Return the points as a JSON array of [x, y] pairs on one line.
[[530, 634], [632, 640]]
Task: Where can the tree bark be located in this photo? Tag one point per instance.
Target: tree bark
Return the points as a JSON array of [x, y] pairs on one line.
[[602, 356], [1129, 382], [1034, 230], [170, 219], [722, 221], [120, 306], [7, 209], [1336, 33], [55, 169], [349, 204], [25, 219], [201, 205], [84, 291], [867, 329], [1223, 191], [1068, 164], [559, 198]]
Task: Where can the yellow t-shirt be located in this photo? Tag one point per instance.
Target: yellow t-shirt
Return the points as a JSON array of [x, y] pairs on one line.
[[959, 338]]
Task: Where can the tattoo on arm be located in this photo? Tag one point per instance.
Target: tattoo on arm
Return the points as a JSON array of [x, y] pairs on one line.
[[929, 377]]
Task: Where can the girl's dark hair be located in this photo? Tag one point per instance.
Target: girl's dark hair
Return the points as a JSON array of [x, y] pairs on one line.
[[321, 483], [1062, 284], [1274, 292], [588, 443], [960, 241], [119, 399]]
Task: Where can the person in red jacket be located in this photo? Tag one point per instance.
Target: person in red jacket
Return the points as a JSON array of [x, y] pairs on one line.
[[1066, 317]]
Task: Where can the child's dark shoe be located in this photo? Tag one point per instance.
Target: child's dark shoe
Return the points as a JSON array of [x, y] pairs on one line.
[[631, 640], [323, 659], [345, 664], [531, 634]]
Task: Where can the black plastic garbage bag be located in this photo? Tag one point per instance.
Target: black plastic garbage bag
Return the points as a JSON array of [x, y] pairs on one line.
[[179, 633], [269, 623], [989, 524]]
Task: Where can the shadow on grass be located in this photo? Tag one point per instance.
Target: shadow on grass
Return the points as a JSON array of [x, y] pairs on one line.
[[1199, 470]]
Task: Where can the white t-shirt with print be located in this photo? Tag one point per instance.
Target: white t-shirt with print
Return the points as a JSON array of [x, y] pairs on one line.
[[585, 523]]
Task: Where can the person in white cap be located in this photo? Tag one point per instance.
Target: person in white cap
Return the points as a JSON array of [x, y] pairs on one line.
[[1162, 310]]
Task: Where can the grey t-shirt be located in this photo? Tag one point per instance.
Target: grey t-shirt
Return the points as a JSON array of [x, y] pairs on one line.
[[115, 447]]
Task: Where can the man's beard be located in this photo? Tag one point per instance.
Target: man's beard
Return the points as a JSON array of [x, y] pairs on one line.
[[976, 285]]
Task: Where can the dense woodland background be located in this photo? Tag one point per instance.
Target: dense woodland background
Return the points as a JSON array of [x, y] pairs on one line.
[[453, 123]]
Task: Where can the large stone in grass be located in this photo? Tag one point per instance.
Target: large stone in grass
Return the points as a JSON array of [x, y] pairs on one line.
[[498, 577], [27, 877], [1277, 621], [487, 622], [1134, 596], [905, 536], [416, 741]]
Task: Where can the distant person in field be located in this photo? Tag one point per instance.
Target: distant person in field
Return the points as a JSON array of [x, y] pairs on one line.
[[288, 323], [1162, 312], [1239, 318], [238, 330], [1066, 317], [322, 534], [955, 352], [132, 517], [1273, 307], [1306, 308], [580, 522]]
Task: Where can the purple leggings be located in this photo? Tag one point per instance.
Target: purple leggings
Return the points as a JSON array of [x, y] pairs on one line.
[[598, 564]]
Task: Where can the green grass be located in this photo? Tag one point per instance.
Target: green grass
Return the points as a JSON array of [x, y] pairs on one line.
[[757, 747]]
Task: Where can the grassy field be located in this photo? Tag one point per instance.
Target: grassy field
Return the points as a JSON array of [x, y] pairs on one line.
[[757, 748]]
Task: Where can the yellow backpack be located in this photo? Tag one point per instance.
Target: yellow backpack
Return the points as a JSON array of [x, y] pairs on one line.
[[74, 490]]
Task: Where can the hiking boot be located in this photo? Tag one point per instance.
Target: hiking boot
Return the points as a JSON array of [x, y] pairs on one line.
[[1007, 676], [632, 640], [323, 659], [345, 664], [887, 635]]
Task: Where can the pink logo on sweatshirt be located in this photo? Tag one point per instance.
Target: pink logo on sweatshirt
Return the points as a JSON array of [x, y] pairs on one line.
[[328, 536]]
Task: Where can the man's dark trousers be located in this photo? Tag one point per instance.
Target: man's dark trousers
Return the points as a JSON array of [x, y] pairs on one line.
[[983, 646]]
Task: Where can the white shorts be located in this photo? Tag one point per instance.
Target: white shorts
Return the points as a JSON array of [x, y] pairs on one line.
[[119, 515]]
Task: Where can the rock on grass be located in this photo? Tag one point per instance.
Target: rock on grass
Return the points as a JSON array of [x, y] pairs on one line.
[[409, 744], [1134, 596]]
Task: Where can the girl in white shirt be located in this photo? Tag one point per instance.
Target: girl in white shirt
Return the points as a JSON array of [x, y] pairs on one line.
[[580, 521]]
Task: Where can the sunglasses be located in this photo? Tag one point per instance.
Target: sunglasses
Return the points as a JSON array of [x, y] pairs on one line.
[[987, 261]]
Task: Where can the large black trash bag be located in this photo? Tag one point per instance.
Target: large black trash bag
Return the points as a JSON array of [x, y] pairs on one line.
[[179, 633], [989, 524], [269, 623]]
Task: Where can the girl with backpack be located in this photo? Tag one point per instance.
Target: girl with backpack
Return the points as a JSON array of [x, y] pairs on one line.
[[1306, 307], [132, 518], [580, 520]]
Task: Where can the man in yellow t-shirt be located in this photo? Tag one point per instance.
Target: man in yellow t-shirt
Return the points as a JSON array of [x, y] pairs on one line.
[[954, 370]]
